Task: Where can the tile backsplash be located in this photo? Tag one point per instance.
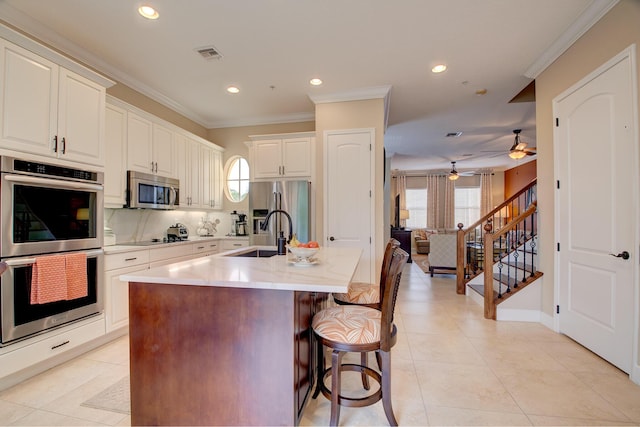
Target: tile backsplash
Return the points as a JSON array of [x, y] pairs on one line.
[[138, 225]]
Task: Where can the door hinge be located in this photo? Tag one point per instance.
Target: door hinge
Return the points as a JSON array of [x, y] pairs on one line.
[[558, 184], [558, 248], [557, 122], [557, 309]]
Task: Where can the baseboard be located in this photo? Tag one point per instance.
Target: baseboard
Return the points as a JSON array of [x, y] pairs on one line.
[[547, 321], [517, 315]]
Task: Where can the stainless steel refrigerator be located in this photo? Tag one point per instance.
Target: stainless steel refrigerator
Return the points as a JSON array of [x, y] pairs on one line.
[[294, 197]]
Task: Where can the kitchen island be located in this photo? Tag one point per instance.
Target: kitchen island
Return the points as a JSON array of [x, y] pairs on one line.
[[226, 340]]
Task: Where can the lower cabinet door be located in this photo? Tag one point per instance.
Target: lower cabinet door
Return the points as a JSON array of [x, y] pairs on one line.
[[117, 297]]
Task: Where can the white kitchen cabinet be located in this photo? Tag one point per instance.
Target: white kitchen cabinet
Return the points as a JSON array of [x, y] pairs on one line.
[[207, 247], [49, 110], [229, 244], [211, 177], [281, 156], [163, 151], [188, 156], [116, 291], [150, 147], [115, 175]]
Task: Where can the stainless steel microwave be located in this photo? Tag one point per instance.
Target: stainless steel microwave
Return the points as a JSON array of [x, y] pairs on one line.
[[151, 191]]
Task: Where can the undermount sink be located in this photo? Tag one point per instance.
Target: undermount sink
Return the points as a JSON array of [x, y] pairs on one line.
[[256, 253]]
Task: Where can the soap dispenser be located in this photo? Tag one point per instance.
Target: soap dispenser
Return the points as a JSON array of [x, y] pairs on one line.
[[282, 242]]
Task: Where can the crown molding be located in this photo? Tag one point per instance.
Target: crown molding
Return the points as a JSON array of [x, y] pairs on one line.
[[592, 14], [285, 118]]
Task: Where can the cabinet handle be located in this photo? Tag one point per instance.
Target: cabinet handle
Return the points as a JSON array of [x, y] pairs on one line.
[[282, 169], [237, 244], [200, 247], [156, 171], [60, 345], [64, 145], [131, 259], [55, 143], [151, 166]]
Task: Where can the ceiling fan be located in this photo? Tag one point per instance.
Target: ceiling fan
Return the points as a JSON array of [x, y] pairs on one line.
[[454, 174], [519, 149]]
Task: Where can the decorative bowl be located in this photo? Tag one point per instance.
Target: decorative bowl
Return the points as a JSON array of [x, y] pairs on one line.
[[302, 253]]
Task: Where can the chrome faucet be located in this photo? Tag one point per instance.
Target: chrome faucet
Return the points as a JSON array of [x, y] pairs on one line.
[[281, 241]]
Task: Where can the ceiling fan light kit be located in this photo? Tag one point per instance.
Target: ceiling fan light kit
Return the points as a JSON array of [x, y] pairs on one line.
[[453, 175], [518, 149]]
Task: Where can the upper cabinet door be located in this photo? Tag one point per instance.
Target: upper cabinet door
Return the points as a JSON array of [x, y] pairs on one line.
[[139, 143], [81, 112], [29, 96], [163, 150], [296, 157], [267, 159], [115, 175]]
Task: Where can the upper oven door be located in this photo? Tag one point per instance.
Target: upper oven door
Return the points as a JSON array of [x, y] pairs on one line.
[[42, 215]]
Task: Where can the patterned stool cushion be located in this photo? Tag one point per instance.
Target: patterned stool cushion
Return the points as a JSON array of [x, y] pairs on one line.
[[349, 324], [360, 293]]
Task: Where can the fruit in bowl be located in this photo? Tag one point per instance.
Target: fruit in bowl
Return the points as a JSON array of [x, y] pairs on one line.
[[304, 251]]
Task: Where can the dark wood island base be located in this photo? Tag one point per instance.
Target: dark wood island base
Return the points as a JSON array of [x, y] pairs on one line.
[[205, 355]]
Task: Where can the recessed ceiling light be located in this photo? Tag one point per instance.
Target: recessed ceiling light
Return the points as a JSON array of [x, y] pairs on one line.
[[315, 82], [148, 12], [233, 89], [439, 68]]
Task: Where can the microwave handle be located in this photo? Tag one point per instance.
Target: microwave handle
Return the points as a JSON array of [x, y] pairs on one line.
[[174, 193], [29, 261], [52, 182]]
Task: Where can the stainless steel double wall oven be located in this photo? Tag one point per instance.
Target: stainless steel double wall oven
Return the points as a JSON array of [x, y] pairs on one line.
[[47, 209]]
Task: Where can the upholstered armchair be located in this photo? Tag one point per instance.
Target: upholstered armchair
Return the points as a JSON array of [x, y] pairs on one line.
[[442, 252]]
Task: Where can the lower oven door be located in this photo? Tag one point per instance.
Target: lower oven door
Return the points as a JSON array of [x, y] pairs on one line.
[[21, 319]]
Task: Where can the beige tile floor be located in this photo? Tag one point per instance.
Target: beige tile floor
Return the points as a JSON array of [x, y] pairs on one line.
[[450, 367]]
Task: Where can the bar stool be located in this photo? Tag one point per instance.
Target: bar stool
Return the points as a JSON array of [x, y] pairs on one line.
[[353, 328], [368, 295]]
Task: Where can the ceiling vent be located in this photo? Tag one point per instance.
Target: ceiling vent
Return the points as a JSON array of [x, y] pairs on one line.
[[209, 52], [454, 134]]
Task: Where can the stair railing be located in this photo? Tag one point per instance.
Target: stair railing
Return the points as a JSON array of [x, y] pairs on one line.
[[511, 238], [471, 253]]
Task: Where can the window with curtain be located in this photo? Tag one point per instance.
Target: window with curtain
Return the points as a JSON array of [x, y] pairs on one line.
[[416, 204], [467, 202]]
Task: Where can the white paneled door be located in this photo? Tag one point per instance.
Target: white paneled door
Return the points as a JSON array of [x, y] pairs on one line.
[[348, 195], [596, 167]]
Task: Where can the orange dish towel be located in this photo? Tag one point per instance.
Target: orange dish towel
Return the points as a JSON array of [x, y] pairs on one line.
[[48, 279], [76, 266]]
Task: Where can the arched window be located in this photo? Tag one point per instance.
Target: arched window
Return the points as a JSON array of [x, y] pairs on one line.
[[237, 179]]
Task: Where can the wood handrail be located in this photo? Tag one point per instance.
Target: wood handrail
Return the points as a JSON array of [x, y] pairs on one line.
[[515, 221], [502, 205]]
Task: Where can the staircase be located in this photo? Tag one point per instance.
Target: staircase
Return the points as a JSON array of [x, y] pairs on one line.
[[510, 233]]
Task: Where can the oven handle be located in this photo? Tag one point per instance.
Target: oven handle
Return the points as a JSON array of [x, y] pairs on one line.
[[53, 182], [29, 261]]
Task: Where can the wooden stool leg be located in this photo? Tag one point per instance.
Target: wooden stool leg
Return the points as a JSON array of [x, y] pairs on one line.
[[386, 387], [336, 362], [365, 377]]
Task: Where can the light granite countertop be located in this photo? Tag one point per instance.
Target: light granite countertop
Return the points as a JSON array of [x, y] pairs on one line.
[[331, 272]]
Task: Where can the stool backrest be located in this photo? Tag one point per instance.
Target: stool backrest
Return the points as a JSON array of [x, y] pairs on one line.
[[388, 298], [3, 267], [392, 244]]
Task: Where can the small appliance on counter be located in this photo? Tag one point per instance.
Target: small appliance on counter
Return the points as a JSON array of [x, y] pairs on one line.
[[241, 225], [177, 232]]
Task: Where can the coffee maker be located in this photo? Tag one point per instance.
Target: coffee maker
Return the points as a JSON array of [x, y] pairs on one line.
[[241, 225]]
